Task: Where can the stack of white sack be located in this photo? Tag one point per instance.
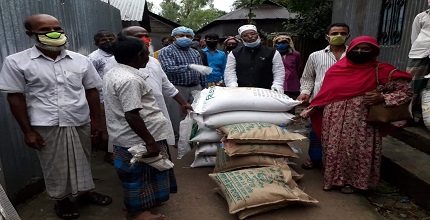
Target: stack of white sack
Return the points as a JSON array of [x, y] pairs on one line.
[[219, 106], [158, 162]]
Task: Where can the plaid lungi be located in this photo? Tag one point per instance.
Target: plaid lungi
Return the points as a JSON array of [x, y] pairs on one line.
[[144, 186], [418, 68], [66, 160]]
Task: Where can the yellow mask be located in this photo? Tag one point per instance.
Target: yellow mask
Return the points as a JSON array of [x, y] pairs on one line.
[[337, 40], [54, 39]]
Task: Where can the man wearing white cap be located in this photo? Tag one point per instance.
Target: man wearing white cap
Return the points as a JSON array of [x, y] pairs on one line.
[[254, 65]]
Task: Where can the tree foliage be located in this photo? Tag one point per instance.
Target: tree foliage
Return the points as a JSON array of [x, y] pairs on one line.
[[191, 13], [313, 16]]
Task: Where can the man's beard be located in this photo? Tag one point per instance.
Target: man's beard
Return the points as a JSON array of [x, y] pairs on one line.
[[50, 48]]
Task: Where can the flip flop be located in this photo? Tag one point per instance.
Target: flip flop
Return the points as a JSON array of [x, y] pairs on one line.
[[146, 217], [348, 189], [96, 198]]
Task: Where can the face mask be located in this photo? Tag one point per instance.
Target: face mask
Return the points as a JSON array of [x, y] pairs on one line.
[[359, 58], [253, 44], [230, 48], [212, 44], [147, 40], [53, 39], [337, 40], [106, 47], [282, 48], [183, 41]]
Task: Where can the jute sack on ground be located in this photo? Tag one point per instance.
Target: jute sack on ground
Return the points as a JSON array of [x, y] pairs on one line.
[[235, 117], [258, 133], [235, 149], [255, 187], [225, 99], [226, 163], [209, 149], [264, 208], [207, 135]]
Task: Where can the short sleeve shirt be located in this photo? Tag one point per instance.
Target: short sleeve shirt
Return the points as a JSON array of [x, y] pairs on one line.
[[54, 89], [125, 89]]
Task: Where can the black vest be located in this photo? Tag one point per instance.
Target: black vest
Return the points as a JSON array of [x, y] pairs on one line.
[[254, 66]]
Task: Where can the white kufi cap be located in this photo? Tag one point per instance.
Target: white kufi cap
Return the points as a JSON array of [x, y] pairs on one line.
[[246, 27]]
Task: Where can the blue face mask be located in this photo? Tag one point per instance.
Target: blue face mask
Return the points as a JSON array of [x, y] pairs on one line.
[[183, 41], [282, 47], [253, 44]]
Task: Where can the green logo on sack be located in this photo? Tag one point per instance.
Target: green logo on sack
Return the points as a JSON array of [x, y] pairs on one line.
[[211, 93]]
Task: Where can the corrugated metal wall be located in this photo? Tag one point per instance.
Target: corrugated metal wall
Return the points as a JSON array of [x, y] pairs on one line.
[[363, 16], [81, 19]]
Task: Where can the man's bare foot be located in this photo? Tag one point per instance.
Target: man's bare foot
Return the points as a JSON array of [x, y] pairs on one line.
[[147, 215]]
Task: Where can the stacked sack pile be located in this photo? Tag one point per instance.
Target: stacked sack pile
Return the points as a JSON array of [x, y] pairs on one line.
[[251, 170], [218, 106]]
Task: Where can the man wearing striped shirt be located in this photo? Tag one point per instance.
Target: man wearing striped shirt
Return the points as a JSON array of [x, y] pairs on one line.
[[313, 75]]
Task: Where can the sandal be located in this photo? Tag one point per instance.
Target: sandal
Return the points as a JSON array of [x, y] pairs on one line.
[[348, 189], [309, 165], [96, 198], [66, 210]]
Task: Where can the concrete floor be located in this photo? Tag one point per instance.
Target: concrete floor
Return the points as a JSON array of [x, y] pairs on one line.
[[196, 199]]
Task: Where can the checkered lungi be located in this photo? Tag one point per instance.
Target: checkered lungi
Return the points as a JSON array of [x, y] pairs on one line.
[[144, 186], [66, 160], [418, 68]]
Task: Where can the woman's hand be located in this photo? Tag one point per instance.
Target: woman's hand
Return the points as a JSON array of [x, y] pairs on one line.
[[373, 98]]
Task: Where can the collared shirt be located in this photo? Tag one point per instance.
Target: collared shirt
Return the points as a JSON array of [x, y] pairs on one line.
[[278, 70], [317, 65], [54, 89], [99, 58], [420, 36], [217, 61], [175, 62], [125, 90]]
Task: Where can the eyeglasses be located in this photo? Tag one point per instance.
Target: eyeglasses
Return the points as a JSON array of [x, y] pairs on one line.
[[250, 35]]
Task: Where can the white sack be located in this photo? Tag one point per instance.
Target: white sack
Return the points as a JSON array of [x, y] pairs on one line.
[[223, 99], [237, 117], [207, 135], [208, 149]]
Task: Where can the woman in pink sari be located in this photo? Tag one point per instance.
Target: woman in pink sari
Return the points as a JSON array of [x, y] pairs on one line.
[[352, 148]]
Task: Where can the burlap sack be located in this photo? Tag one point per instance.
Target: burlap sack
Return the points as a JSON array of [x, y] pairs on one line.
[[255, 187], [280, 150], [225, 163], [258, 133]]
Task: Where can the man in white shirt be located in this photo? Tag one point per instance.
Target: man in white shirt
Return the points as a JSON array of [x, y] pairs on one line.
[[133, 118], [103, 40], [254, 65], [52, 92], [419, 61], [313, 75], [157, 80]]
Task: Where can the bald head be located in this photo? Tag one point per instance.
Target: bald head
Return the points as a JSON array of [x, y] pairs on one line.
[[36, 19], [135, 31]]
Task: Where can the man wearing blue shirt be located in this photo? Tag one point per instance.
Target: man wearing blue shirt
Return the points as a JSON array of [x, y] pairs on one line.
[[216, 59]]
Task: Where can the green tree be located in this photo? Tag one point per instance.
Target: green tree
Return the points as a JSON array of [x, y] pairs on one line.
[[191, 13], [150, 5], [313, 16]]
